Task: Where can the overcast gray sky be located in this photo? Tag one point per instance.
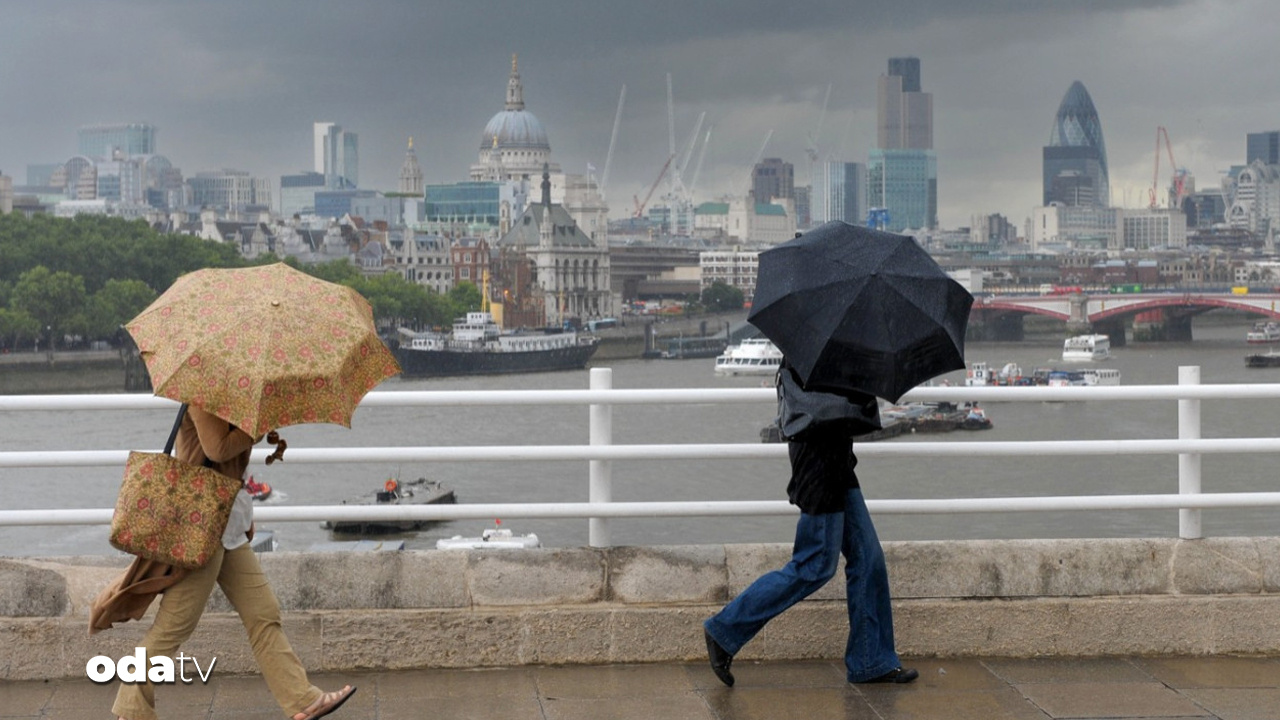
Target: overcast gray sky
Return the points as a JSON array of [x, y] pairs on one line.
[[238, 83]]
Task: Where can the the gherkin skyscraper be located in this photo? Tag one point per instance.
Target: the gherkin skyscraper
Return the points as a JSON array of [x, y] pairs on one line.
[[1075, 160]]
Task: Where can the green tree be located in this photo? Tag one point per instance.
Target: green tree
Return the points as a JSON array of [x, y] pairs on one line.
[[722, 297], [54, 299], [17, 326], [464, 298], [115, 304]]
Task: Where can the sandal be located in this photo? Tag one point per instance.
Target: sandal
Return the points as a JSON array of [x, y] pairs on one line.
[[326, 703]]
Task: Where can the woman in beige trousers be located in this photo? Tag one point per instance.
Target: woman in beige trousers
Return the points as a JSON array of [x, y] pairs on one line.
[[235, 569]]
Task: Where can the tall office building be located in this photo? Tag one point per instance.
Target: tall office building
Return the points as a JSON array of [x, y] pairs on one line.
[[103, 141], [772, 178], [904, 117], [844, 195], [902, 172], [337, 156], [907, 68], [1264, 146], [1075, 160]]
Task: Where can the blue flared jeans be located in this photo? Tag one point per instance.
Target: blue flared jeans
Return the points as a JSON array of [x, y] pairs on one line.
[[820, 540]]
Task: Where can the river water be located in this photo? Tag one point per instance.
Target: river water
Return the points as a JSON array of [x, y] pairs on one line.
[[1218, 348]]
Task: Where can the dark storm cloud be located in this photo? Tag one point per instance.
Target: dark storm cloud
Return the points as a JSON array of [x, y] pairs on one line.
[[239, 84]]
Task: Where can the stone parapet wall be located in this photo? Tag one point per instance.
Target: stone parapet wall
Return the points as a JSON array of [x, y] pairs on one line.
[[412, 609]]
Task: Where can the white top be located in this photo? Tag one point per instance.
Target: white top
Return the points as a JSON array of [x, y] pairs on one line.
[[241, 519]]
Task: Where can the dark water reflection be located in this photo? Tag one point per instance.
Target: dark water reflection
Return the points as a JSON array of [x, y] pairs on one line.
[[1218, 349]]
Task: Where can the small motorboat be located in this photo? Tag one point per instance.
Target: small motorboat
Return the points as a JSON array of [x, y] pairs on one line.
[[418, 492], [494, 538], [257, 490]]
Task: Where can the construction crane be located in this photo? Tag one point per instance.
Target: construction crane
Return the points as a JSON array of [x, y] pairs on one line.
[[756, 160], [1179, 174], [812, 148], [639, 212], [613, 140], [702, 154]]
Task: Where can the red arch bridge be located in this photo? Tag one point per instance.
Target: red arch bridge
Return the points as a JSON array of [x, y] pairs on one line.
[[1162, 315]]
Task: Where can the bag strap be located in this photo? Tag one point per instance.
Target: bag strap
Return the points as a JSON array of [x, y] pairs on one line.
[[173, 435]]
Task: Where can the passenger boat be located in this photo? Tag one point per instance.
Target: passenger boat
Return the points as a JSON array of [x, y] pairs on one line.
[[494, 538], [753, 356], [980, 374], [477, 346], [1086, 377], [1086, 347], [1263, 333], [1271, 358], [418, 492]]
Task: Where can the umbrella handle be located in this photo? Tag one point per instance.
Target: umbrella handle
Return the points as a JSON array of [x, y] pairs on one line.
[[281, 445]]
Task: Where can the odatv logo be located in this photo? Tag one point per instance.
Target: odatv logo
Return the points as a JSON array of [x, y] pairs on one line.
[[135, 668]]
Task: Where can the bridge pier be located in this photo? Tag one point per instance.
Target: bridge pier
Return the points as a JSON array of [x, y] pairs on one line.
[[995, 328], [1177, 329], [1113, 329], [1161, 326]]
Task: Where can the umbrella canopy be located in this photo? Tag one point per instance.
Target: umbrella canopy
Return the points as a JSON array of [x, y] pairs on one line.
[[859, 309], [262, 347]]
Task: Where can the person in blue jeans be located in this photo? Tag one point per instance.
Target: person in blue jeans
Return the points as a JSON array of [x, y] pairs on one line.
[[833, 521]]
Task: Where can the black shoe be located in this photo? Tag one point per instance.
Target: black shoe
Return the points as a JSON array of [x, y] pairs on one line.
[[896, 675], [720, 658]]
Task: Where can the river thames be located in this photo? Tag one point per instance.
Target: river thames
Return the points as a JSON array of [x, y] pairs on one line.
[[1219, 350]]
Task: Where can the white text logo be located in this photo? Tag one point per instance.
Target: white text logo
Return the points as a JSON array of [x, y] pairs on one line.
[[135, 668]]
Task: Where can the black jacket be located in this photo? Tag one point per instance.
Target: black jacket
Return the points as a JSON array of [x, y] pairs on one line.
[[822, 470]]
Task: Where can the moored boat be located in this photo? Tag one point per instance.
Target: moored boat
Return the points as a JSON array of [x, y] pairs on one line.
[[1270, 358], [494, 538], [477, 346], [980, 374], [418, 492], [1263, 333], [693, 347], [1086, 347], [753, 356]]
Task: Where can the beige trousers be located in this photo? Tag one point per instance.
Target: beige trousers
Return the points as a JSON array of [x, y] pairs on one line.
[[241, 578]]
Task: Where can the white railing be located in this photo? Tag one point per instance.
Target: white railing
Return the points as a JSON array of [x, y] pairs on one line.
[[601, 451]]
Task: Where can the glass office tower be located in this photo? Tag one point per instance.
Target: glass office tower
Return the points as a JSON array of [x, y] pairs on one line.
[[1075, 160]]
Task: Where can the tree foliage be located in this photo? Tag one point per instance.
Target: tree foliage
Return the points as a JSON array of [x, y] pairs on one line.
[[93, 274], [55, 299], [722, 297]]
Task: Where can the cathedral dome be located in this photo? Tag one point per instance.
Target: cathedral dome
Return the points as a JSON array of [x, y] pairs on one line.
[[514, 129]]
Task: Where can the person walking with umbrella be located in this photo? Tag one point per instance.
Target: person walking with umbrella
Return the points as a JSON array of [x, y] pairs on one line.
[[857, 314], [250, 350]]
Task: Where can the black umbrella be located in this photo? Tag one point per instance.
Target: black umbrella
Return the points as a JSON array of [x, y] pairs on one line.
[[859, 309]]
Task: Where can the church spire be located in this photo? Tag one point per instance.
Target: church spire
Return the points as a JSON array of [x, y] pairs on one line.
[[411, 172], [515, 92]]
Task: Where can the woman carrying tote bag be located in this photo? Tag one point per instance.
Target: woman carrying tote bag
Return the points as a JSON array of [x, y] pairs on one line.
[[234, 567]]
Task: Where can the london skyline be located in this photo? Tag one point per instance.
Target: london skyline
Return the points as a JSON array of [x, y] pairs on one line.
[[240, 84]]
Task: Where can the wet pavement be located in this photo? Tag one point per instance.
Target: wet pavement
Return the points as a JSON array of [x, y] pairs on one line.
[[1230, 688]]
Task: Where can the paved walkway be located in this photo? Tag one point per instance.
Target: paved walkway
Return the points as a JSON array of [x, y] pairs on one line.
[[973, 688]]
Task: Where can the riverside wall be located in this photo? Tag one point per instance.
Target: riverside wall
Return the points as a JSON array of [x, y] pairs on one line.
[[412, 609]]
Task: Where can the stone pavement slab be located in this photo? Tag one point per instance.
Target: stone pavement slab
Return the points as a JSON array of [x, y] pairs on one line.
[[1221, 688]]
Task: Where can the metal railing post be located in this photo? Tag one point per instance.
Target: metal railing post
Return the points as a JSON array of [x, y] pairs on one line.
[[1189, 463], [600, 474]]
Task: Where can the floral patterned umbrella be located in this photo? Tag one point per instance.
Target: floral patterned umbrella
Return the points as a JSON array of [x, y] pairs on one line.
[[262, 347]]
